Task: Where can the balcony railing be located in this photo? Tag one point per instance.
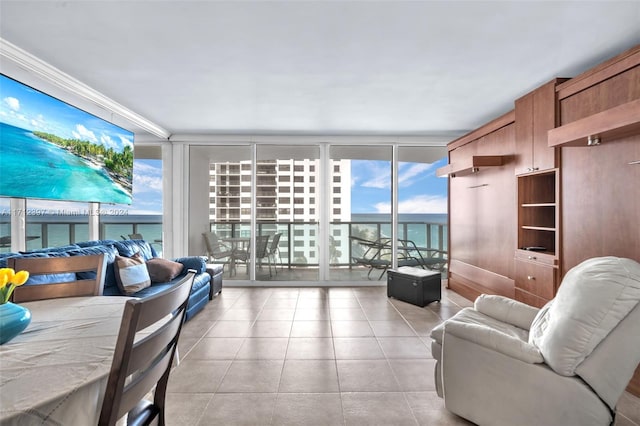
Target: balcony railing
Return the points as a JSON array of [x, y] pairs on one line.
[[301, 237], [299, 245]]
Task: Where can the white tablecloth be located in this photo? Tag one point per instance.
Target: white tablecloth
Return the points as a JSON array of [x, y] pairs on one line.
[[55, 372]]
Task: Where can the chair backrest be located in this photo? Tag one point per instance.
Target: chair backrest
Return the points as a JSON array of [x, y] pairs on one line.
[[213, 246], [59, 265], [273, 247], [141, 364], [262, 244], [136, 237]]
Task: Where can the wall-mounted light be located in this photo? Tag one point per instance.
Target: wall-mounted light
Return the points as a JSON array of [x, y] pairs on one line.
[[593, 140]]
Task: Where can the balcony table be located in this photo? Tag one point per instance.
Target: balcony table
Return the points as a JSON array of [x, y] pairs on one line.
[[55, 372], [237, 243]]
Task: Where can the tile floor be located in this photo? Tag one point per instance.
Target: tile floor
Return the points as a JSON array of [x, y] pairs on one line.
[[314, 356]]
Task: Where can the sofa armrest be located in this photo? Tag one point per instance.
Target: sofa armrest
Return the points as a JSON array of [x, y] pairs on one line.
[[193, 262], [506, 310], [494, 340]]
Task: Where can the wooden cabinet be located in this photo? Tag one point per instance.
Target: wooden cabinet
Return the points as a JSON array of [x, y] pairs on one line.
[[536, 266], [535, 114], [536, 278], [482, 207]]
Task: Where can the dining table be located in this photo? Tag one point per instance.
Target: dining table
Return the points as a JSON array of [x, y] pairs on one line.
[[55, 372]]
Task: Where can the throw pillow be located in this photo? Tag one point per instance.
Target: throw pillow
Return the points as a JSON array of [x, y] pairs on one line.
[[163, 270], [131, 274]]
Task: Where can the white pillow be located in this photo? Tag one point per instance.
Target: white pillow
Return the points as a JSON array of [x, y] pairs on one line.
[[593, 298], [131, 274]]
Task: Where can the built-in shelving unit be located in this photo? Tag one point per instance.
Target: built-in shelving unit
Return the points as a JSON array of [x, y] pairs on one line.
[[470, 165], [614, 123], [537, 211]]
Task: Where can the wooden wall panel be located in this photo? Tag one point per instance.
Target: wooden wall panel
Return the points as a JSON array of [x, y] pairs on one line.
[[496, 208], [615, 91], [600, 189], [462, 212], [482, 218]]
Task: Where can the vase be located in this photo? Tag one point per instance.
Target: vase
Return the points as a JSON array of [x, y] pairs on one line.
[[13, 320]]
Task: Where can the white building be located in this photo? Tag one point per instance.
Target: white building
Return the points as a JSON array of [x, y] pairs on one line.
[[287, 199]]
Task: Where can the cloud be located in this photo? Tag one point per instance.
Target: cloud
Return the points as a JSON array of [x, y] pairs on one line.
[[125, 140], [83, 133], [147, 178], [39, 122], [435, 204], [407, 175], [12, 102], [108, 142], [379, 175]]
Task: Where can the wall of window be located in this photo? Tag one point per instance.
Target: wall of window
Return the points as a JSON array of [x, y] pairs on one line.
[[316, 196]]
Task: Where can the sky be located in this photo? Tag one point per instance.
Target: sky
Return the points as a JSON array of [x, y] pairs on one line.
[[29, 109], [419, 190]]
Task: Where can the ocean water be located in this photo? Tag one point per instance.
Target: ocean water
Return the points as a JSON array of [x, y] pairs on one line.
[[33, 168]]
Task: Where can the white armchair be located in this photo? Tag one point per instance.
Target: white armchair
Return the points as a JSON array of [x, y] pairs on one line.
[[505, 363]]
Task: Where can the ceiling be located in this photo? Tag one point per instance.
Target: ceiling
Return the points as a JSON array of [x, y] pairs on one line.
[[319, 67]]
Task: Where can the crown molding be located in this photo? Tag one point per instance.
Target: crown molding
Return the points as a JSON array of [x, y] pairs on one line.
[[296, 139], [59, 78]]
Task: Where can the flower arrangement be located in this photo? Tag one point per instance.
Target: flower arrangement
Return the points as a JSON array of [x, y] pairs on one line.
[[9, 280]]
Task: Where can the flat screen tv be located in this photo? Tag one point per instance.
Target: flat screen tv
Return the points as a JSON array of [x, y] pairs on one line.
[[52, 150]]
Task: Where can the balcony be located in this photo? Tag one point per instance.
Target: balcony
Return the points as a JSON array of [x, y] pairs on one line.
[[298, 247]]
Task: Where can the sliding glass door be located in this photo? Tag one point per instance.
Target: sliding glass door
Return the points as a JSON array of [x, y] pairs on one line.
[[360, 212], [314, 212]]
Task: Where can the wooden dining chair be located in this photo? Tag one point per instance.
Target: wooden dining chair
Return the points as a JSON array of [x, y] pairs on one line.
[[57, 266], [141, 364]]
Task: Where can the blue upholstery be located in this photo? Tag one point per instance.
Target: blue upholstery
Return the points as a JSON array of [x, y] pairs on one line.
[[128, 248], [45, 278], [52, 249], [201, 291], [110, 253]]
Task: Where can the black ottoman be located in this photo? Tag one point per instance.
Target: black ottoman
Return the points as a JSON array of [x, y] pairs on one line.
[[215, 270], [414, 285]]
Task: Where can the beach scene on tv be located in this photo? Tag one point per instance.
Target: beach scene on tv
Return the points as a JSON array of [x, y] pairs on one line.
[[52, 150]]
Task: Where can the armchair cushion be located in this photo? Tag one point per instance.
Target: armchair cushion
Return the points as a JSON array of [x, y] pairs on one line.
[[493, 339], [593, 298], [506, 310], [471, 316]]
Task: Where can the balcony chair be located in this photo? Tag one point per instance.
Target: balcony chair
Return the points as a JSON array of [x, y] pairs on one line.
[[142, 361], [215, 248], [506, 363], [262, 250], [377, 255], [273, 250]]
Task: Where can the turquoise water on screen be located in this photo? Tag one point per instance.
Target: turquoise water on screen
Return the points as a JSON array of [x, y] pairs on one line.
[[33, 168]]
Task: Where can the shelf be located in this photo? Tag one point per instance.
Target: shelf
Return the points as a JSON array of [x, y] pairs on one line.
[[470, 165], [539, 205], [614, 123], [538, 228]]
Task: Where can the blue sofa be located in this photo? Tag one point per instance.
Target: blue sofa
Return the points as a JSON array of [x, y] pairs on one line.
[[207, 282]]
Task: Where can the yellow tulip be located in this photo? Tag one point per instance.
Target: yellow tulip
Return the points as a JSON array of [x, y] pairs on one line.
[[20, 277], [9, 273], [4, 276]]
